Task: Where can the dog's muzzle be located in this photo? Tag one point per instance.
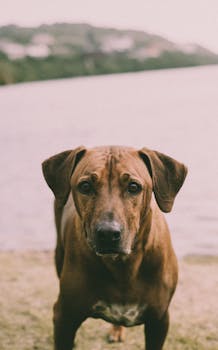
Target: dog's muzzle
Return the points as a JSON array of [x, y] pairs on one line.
[[108, 237]]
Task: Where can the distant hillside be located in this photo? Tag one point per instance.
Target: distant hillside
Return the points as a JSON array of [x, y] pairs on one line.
[[67, 50]]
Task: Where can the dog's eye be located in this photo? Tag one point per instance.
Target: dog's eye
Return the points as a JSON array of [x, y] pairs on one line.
[[85, 187], [134, 188]]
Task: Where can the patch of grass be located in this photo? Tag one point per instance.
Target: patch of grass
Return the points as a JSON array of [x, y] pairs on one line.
[[29, 288]]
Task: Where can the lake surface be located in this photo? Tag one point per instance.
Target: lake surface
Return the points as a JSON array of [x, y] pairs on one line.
[[173, 111]]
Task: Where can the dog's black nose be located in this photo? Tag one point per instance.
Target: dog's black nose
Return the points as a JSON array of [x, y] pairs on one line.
[[108, 236]]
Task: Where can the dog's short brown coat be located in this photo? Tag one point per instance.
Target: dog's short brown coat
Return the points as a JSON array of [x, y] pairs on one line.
[[114, 255]]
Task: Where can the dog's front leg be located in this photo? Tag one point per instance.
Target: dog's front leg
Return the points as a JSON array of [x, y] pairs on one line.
[[65, 327], [156, 332]]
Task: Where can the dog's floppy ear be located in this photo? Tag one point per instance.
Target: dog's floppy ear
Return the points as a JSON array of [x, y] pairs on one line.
[[167, 175], [58, 169]]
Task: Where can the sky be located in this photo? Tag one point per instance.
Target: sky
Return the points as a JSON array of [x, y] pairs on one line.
[[179, 20]]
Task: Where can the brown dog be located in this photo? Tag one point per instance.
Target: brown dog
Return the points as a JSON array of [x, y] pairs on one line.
[[114, 255]]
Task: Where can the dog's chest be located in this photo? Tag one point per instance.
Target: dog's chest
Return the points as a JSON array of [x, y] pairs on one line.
[[123, 314]]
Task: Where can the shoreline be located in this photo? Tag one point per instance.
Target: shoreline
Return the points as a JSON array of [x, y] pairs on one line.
[[104, 75]]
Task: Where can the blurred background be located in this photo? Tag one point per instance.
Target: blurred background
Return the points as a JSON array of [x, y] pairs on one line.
[[59, 90]]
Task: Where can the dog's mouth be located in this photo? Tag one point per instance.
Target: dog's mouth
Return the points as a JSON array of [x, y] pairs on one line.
[[113, 253], [105, 251], [108, 255], [101, 252], [108, 247]]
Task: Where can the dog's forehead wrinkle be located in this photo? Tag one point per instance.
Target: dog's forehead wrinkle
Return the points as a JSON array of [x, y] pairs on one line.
[[111, 164], [94, 163], [118, 153], [112, 149], [102, 154]]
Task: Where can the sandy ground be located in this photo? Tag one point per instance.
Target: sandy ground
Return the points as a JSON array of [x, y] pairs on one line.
[[29, 288]]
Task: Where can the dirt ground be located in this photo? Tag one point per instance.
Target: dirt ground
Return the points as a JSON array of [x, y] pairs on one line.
[[29, 288]]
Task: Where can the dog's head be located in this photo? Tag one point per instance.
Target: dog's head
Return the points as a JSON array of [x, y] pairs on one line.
[[112, 189]]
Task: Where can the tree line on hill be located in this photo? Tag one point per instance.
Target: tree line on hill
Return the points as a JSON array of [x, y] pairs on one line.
[[81, 62]]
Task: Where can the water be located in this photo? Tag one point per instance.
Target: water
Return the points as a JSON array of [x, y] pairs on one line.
[[174, 111]]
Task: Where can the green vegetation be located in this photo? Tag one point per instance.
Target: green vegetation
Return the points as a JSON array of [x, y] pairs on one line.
[[29, 288], [72, 50], [55, 67]]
